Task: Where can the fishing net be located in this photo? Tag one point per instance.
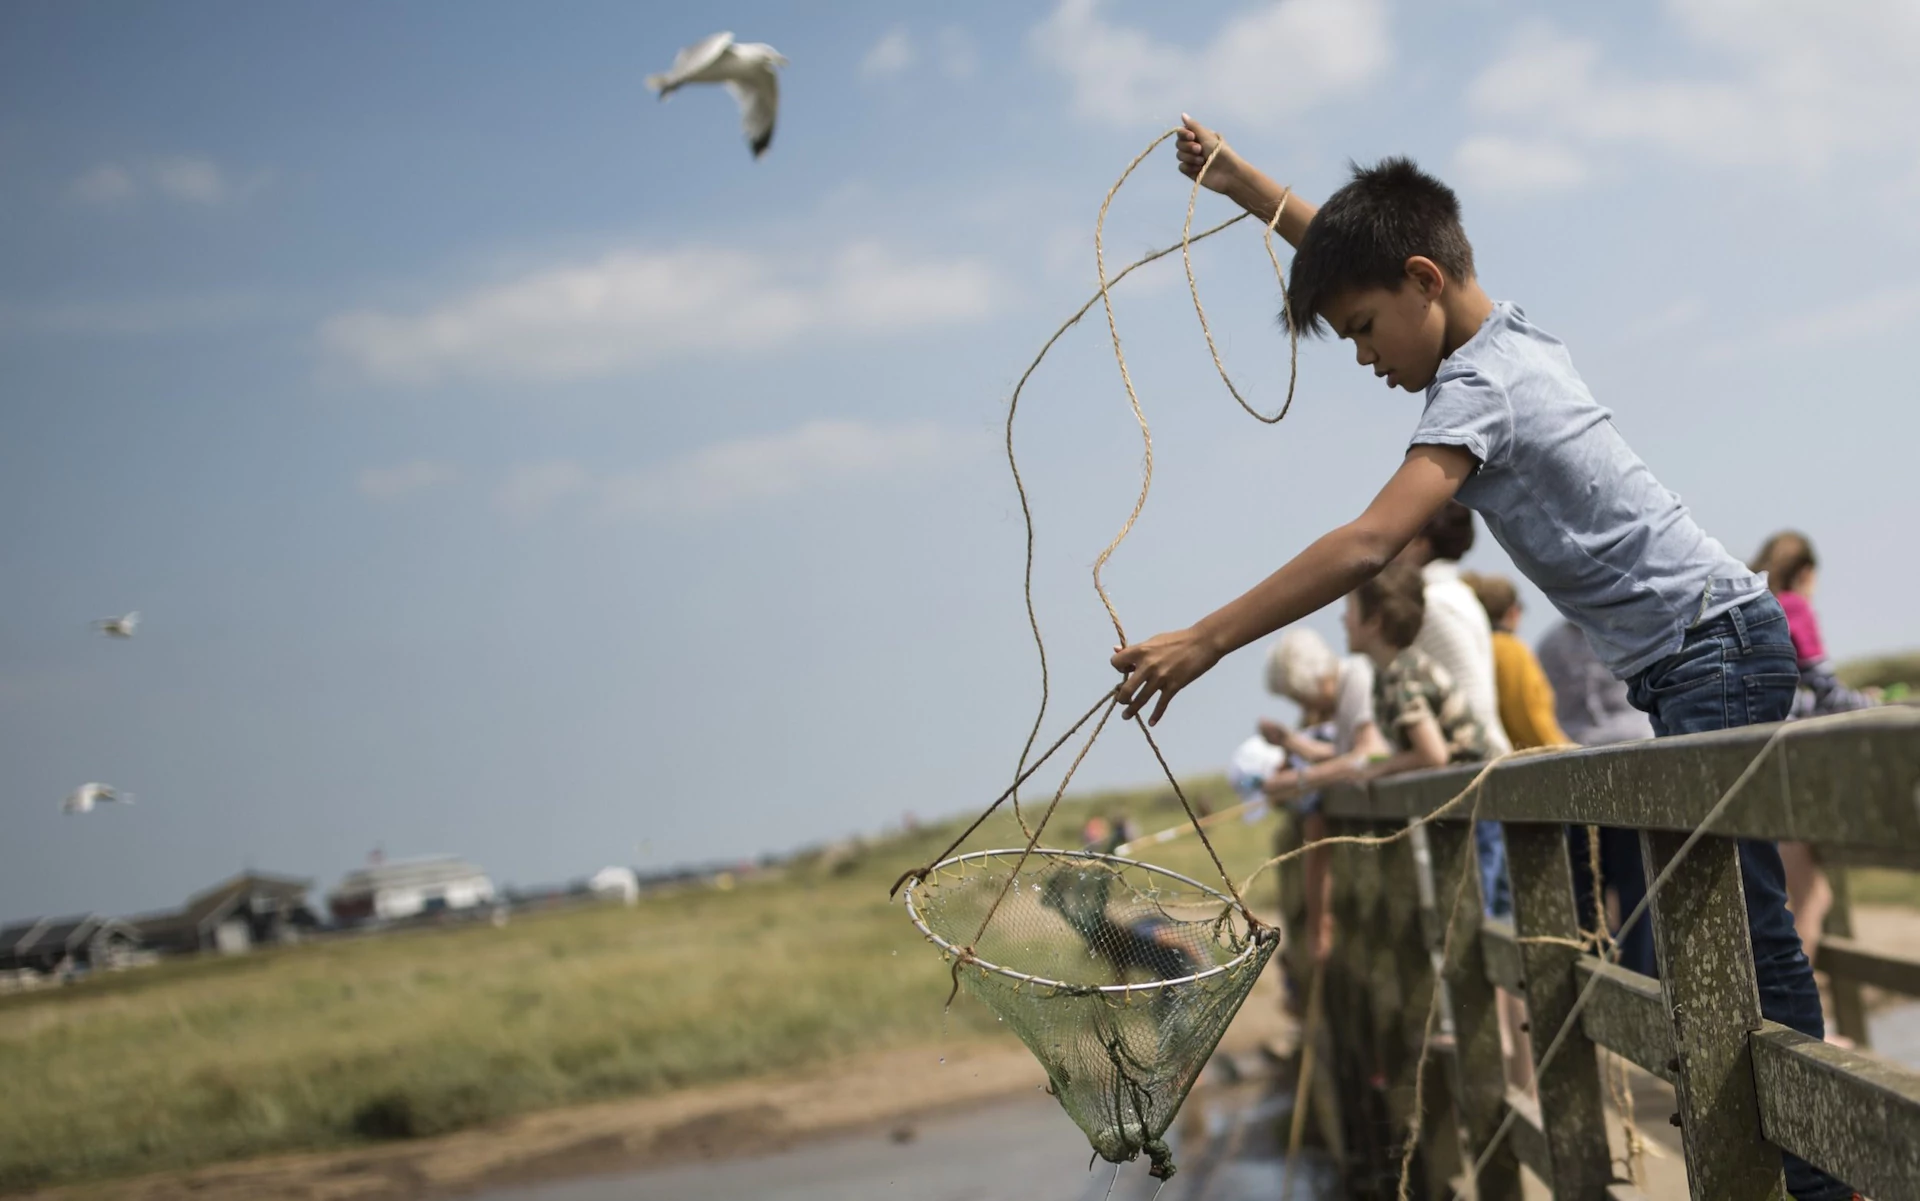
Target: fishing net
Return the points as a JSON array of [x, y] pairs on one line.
[[1118, 975]]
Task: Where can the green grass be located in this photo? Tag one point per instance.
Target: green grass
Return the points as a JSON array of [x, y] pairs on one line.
[[1883, 886], [1882, 670], [411, 1034]]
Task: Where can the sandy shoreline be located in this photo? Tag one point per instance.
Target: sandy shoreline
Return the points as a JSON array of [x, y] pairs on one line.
[[739, 1117]]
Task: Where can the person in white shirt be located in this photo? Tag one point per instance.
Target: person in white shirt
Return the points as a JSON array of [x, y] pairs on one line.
[[1456, 633]]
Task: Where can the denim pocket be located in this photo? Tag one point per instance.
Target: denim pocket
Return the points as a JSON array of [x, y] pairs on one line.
[[1769, 695], [1700, 666]]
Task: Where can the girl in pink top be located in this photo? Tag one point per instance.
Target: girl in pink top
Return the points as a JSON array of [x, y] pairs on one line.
[[1788, 560], [1791, 569]]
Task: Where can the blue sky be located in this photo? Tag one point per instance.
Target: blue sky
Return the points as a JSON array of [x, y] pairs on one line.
[[505, 463]]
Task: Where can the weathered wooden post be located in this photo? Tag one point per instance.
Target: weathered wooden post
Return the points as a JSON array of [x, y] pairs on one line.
[[1849, 1009], [1355, 1005], [1713, 1006], [1571, 1109], [1438, 1157], [1478, 1072]]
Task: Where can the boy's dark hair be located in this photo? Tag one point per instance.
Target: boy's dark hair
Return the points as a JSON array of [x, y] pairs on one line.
[[1496, 594], [1450, 531], [1364, 234], [1398, 597], [1785, 557]]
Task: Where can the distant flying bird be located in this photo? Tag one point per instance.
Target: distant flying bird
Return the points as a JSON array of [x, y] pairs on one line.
[[747, 68], [118, 627], [86, 796]]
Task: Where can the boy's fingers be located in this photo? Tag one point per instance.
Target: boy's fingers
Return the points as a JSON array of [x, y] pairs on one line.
[[1165, 698]]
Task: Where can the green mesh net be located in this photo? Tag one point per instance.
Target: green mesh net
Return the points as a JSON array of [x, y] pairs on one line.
[[1119, 976]]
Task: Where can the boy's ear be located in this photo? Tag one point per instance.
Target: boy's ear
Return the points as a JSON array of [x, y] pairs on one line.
[[1425, 274]]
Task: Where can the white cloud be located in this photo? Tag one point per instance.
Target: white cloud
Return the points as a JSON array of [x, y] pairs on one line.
[[201, 181], [891, 55], [103, 185], [392, 483], [532, 490], [1795, 85], [729, 475], [183, 180], [1890, 309], [632, 308], [1517, 166], [1261, 68], [959, 57]]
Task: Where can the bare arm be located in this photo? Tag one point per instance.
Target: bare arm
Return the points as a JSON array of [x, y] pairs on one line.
[[1426, 747], [1240, 182], [1349, 768], [1313, 750], [1316, 577]]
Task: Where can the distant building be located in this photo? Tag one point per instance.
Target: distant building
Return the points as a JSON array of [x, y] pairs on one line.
[[615, 883], [403, 888], [251, 909], [87, 942]]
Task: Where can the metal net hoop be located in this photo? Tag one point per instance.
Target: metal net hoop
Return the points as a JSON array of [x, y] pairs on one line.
[[1119, 975], [1039, 862]]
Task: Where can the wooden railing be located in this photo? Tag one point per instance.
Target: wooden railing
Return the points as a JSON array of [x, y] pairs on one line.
[[1746, 1088]]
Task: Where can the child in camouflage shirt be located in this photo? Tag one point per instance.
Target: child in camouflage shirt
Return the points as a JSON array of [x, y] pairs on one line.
[[1424, 717]]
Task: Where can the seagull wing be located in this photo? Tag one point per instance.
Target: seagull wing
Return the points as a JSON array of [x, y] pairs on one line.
[[691, 61], [759, 97]]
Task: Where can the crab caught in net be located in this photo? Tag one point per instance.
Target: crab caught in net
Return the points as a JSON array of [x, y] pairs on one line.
[[1118, 975]]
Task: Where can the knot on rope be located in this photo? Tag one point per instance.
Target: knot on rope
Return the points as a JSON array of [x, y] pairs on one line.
[[1161, 1156]]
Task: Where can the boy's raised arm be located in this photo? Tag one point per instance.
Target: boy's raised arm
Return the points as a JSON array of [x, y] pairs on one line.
[[1329, 569], [1234, 178]]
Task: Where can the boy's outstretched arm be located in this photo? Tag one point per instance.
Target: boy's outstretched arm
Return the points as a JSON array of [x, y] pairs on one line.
[[1237, 180], [1316, 577]]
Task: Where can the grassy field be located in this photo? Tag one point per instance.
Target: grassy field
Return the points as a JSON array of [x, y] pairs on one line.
[[419, 1033], [1882, 670]]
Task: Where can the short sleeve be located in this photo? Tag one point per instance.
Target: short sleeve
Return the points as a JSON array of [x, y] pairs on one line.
[[1401, 697], [1468, 410], [1802, 628], [1412, 707]]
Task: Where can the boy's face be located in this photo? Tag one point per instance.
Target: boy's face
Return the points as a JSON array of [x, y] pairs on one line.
[[1399, 332]]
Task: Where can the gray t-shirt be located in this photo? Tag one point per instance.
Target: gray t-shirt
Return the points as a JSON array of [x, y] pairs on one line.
[[1590, 705], [1615, 552]]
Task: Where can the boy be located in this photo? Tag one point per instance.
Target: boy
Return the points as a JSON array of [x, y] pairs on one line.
[[1509, 430], [1429, 723], [1417, 705]]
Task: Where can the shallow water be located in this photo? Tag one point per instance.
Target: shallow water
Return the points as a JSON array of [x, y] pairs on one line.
[[1023, 1146]]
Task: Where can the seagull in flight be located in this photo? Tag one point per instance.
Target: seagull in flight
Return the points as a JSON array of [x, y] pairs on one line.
[[85, 797], [118, 627], [747, 68]]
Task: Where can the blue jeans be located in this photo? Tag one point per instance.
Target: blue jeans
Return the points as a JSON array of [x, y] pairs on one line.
[[1496, 887], [1738, 669]]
